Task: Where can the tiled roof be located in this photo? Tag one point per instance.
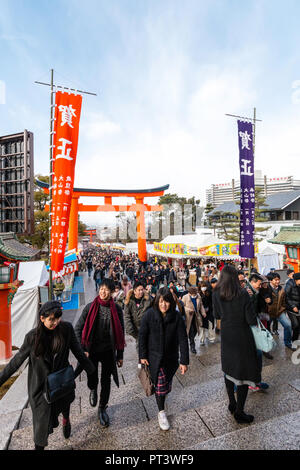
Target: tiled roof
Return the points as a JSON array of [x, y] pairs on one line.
[[11, 248], [287, 236], [277, 201]]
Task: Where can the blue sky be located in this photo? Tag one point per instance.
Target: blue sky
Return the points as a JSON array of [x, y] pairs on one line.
[[166, 72]]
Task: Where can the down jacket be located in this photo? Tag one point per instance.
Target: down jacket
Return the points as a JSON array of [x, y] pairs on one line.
[[133, 314], [292, 292], [161, 340]]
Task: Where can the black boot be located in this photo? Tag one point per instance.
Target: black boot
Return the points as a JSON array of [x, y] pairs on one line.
[[242, 418], [67, 429], [93, 398], [239, 415], [103, 417], [268, 355]]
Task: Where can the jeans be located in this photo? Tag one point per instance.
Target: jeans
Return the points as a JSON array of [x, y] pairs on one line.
[[286, 323]]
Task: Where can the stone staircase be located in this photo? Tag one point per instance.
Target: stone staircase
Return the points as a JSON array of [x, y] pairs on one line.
[[196, 407]]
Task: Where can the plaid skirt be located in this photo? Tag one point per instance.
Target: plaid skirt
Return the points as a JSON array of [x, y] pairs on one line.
[[162, 387]]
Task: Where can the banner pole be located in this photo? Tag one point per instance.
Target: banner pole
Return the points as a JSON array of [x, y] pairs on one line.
[[253, 137], [50, 185]]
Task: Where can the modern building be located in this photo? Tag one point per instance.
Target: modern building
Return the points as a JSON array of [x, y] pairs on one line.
[[283, 206], [218, 194], [16, 183]]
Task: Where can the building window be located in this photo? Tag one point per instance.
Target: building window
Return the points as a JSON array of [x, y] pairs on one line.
[[295, 215], [288, 215], [293, 253]]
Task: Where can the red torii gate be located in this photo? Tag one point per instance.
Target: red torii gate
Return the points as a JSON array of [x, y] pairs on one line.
[[139, 207], [91, 232]]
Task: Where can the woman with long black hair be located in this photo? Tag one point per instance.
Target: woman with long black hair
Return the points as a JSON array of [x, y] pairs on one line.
[[162, 336], [232, 305], [47, 346]]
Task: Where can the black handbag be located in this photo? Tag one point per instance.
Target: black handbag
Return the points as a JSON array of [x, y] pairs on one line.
[[59, 384]]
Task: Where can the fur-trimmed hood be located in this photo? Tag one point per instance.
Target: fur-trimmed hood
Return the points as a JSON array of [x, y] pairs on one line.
[[130, 294]]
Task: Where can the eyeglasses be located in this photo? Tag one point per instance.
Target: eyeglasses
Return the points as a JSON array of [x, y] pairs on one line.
[[242, 282]]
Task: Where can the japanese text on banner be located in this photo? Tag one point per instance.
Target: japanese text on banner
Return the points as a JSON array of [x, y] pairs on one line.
[[247, 208], [65, 142]]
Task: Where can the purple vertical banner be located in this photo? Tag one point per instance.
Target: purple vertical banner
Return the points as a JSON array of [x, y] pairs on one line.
[[247, 210]]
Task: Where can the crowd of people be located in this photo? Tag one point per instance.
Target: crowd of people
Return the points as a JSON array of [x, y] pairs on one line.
[[163, 309]]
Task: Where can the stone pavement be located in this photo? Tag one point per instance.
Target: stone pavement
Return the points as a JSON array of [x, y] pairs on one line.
[[196, 407]]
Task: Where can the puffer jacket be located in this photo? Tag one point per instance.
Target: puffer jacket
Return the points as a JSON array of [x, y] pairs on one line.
[[292, 292], [133, 314]]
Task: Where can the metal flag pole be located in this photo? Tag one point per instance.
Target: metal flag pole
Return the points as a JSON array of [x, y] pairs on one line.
[[52, 118], [254, 120], [50, 183]]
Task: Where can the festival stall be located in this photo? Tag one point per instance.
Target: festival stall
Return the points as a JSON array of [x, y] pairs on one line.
[[25, 304], [269, 257]]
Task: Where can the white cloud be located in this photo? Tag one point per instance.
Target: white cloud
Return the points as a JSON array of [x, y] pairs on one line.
[[96, 125]]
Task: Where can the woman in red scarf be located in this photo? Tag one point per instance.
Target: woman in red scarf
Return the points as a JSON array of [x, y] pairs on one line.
[[100, 330]]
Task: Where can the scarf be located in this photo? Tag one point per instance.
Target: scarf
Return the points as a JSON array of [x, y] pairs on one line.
[[116, 324]]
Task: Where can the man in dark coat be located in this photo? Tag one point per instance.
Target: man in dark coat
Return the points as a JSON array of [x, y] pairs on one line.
[[292, 291], [100, 329]]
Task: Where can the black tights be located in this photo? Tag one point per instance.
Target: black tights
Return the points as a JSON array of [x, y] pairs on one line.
[[160, 400], [242, 392]]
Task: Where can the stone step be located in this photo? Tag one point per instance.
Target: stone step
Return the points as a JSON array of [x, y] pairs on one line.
[[129, 429], [130, 410], [275, 434]]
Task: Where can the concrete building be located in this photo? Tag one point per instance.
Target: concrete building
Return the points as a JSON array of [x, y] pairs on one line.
[[16, 183], [218, 194]]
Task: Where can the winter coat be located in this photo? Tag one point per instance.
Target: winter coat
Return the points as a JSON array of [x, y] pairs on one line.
[[160, 341], [45, 415], [133, 314], [207, 304], [190, 312], [238, 350], [181, 278], [277, 307], [292, 292], [172, 276], [118, 355]]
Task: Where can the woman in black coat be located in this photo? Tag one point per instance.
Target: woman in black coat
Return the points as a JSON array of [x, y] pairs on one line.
[[47, 347], [162, 335], [233, 306]]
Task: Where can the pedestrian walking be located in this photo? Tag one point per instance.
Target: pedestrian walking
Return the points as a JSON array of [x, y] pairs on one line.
[[47, 347], [100, 329], [292, 291], [240, 364], [162, 337], [194, 311], [136, 303], [277, 308]]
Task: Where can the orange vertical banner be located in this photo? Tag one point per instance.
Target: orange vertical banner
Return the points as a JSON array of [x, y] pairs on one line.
[[65, 142]]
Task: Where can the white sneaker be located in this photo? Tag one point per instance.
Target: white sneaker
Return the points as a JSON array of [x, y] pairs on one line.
[[163, 421], [211, 340]]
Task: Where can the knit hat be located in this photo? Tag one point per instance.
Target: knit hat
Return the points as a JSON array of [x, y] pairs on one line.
[[296, 276], [214, 280]]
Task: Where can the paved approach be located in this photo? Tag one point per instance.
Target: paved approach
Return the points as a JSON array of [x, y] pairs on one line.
[[196, 407]]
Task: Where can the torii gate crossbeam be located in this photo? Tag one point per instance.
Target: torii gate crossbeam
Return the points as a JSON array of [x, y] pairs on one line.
[[139, 207]]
